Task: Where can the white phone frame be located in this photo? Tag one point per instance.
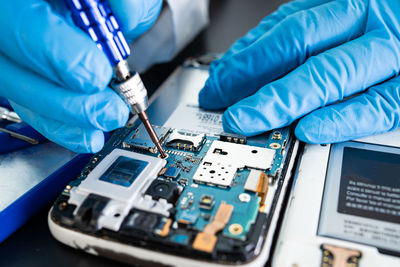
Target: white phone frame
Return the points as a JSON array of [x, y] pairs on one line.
[[298, 243]]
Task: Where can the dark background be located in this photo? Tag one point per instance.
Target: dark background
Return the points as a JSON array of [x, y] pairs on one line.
[[33, 245]]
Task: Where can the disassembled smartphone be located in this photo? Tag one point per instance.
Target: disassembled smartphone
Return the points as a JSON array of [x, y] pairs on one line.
[[215, 199], [344, 209]]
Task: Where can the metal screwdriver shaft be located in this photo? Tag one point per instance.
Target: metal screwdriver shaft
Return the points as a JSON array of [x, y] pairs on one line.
[[97, 20], [145, 120]]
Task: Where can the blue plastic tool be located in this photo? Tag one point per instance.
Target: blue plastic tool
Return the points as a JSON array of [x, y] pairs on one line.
[[32, 201]]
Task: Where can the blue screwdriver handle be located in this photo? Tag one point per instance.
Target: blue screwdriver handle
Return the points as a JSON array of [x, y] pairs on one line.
[[96, 18]]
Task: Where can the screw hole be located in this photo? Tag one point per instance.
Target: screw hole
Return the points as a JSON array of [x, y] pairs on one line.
[[254, 151]]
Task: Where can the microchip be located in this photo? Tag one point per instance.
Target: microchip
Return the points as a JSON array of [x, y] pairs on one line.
[[172, 172], [140, 139], [124, 171], [186, 141], [188, 217], [181, 239], [206, 216], [206, 202], [183, 181], [196, 160]]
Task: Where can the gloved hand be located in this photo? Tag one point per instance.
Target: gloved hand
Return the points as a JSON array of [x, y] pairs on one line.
[[305, 58], [55, 76]]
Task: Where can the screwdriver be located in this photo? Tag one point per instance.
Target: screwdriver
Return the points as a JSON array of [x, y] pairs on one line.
[[96, 18]]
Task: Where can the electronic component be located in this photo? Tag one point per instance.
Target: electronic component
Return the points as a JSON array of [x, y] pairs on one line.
[[183, 181], [180, 239], [165, 227], [233, 138], [141, 221], [141, 140], [172, 172], [193, 159], [120, 177], [187, 202], [163, 189], [185, 141], [167, 224], [88, 214], [243, 197], [162, 171], [206, 216], [262, 190], [206, 202], [275, 145], [235, 229], [223, 159], [206, 240], [258, 181], [196, 160], [253, 180], [333, 256], [276, 135], [188, 217], [124, 171]]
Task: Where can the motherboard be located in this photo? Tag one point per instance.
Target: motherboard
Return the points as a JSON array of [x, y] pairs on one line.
[[212, 198]]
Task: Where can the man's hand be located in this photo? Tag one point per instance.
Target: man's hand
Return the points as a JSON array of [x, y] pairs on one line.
[[54, 75], [305, 60]]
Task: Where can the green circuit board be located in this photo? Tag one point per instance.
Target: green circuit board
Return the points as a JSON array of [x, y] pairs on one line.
[[231, 185], [245, 212]]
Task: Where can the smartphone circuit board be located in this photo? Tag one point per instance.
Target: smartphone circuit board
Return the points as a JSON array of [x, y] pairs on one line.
[[212, 198]]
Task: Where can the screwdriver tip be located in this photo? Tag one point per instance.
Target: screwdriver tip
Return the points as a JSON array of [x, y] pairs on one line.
[[145, 120]]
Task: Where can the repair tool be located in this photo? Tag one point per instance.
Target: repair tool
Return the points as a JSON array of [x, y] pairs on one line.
[[7, 116], [96, 19]]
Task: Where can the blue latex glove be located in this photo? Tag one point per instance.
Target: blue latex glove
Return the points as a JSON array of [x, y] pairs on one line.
[[305, 60], [54, 75]]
